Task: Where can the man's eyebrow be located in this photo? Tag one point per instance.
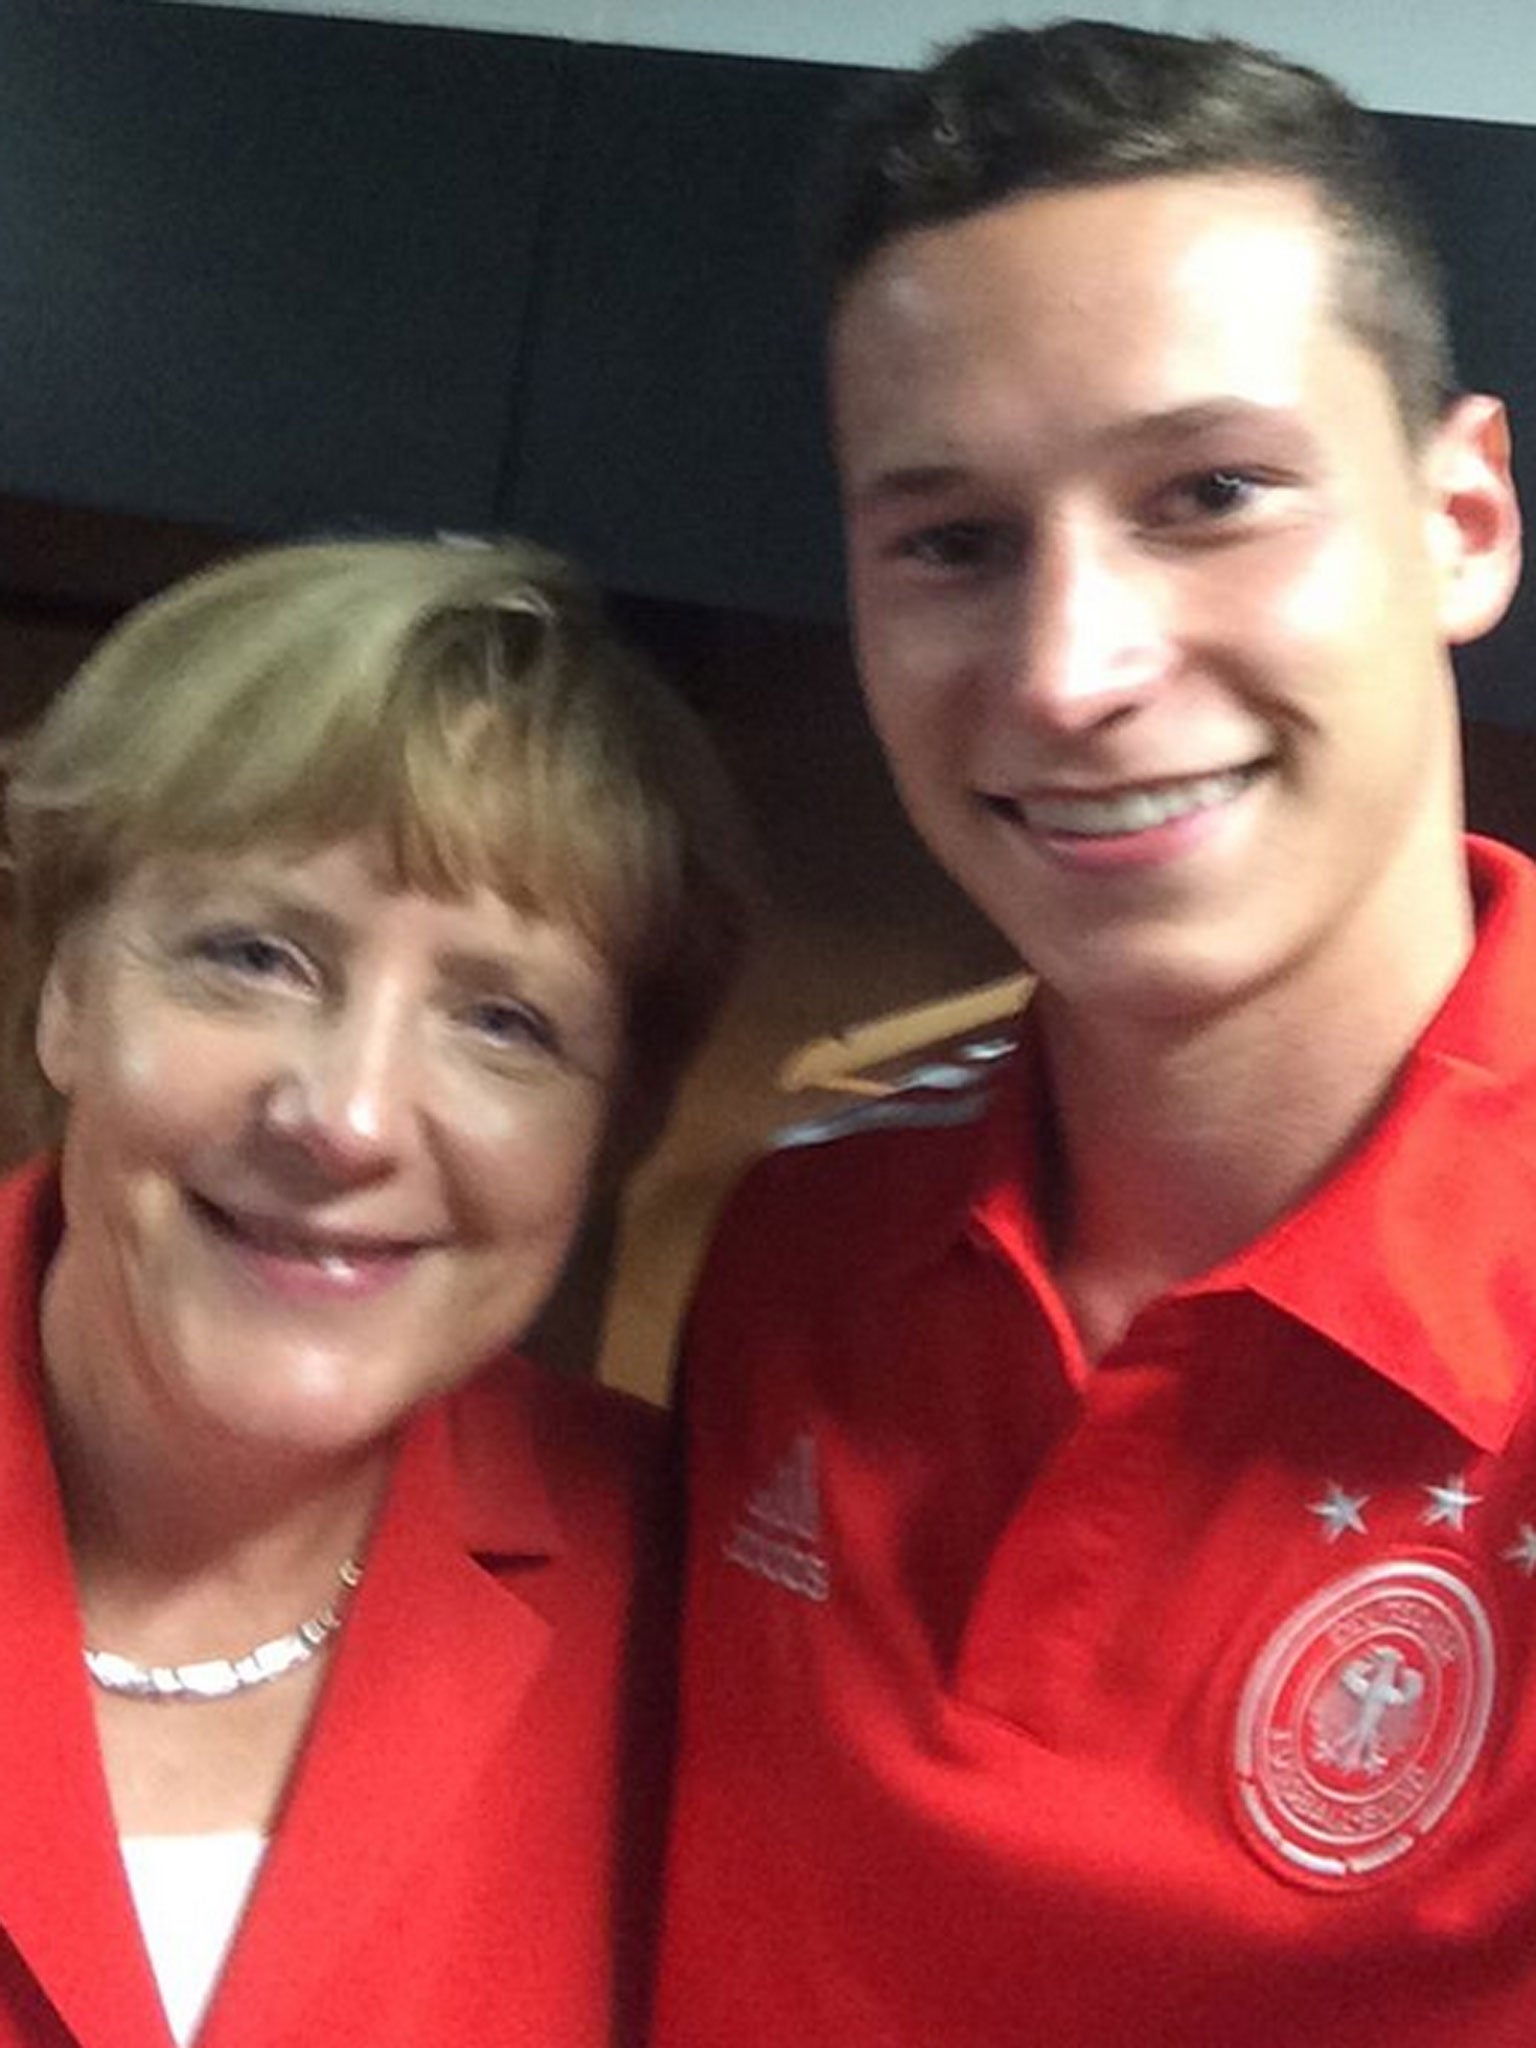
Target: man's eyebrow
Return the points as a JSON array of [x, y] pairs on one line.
[[917, 480], [1184, 422], [910, 480]]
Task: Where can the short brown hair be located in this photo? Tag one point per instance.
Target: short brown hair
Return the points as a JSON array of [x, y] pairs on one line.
[[1014, 111], [464, 701]]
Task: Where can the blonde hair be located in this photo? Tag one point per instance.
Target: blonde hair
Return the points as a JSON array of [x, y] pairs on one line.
[[464, 702]]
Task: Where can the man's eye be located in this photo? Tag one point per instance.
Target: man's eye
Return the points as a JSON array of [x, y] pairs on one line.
[[1208, 494], [958, 545], [1222, 490]]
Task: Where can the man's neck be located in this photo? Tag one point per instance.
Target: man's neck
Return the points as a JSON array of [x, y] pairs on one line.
[[1180, 1141]]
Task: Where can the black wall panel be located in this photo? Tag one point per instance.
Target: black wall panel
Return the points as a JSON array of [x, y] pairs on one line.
[[259, 269], [670, 431], [280, 273], [1477, 182]]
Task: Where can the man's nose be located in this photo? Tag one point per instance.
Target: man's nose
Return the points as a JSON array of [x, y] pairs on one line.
[[1090, 628], [345, 1091]]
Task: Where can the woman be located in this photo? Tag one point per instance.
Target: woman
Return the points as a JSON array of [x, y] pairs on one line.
[[367, 901]]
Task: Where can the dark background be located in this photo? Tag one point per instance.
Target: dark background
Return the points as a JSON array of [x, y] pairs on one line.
[[281, 274]]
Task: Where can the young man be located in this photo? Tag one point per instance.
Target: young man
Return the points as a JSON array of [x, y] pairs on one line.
[[1113, 1573]]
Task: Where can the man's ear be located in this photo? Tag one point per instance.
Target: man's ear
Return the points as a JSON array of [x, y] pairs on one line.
[[1474, 515], [57, 1031]]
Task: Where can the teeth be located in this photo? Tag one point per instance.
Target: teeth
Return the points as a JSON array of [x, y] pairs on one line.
[[1133, 810]]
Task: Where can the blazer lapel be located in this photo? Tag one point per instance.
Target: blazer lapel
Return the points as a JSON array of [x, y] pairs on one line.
[[431, 1671]]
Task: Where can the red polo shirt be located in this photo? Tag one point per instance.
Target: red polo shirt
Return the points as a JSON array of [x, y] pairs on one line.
[[1187, 1700]]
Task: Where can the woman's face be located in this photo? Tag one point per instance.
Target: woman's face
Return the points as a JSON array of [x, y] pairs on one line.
[[327, 1140]]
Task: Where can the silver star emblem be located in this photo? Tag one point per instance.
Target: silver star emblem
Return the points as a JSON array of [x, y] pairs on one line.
[[1340, 1511], [1522, 1552], [1449, 1503]]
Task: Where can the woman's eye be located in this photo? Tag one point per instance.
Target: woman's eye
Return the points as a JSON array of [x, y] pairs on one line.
[[252, 955], [511, 1026]]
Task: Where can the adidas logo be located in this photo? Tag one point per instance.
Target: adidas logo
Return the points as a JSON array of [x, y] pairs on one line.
[[788, 1501], [777, 1536]]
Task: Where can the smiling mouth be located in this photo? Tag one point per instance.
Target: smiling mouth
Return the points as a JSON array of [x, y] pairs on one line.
[[1109, 814], [332, 1255]]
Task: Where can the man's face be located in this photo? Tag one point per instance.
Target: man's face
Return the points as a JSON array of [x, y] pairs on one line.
[[1151, 589]]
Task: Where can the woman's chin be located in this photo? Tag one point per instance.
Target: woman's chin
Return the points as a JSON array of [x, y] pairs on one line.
[[308, 1404]]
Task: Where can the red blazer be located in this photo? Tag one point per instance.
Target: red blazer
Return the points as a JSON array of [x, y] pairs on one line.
[[464, 1855]]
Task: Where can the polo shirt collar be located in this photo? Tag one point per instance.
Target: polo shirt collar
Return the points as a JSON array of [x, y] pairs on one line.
[[1415, 1255]]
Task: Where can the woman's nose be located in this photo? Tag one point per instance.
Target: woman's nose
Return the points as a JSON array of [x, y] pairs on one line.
[[343, 1093]]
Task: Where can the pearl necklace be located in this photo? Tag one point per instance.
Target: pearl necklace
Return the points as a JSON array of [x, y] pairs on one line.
[[216, 1678]]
